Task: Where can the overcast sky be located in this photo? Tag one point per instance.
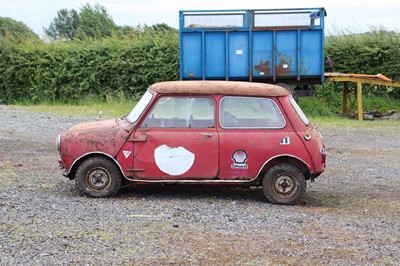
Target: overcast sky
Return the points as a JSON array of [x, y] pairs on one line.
[[355, 15]]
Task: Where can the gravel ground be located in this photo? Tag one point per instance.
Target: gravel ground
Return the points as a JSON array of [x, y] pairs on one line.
[[349, 216]]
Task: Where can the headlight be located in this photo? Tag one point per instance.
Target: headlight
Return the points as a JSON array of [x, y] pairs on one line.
[[58, 143]]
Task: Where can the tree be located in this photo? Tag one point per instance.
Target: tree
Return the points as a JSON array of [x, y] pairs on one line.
[[90, 21], [15, 30], [95, 21], [64, 26]]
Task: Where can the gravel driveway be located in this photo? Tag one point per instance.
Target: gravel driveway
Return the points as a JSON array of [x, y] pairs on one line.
[[349, 216]]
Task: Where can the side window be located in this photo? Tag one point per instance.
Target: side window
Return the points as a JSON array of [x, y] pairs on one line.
[[182, 112], [250, 112]]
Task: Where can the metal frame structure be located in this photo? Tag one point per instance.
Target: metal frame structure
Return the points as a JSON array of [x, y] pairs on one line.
[[359, 79]]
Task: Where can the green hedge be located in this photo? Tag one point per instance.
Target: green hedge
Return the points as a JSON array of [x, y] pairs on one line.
[[377, 51], [73, 71], [123, 66]]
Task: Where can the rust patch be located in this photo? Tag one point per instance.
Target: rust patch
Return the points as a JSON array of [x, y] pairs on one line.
[[242, 178], [284, 66], [103, 136], [264, 68]]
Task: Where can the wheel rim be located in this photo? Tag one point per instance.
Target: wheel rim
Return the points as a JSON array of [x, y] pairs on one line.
[[284, 186], [98, 179]]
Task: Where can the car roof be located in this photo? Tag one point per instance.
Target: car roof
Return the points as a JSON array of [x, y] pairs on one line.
[[219, 87]]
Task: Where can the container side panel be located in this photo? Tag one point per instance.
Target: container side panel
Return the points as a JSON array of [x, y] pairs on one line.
[[263, 54], [310, 53], [286, 53], [238, 54], [215, 55], [191, 55]]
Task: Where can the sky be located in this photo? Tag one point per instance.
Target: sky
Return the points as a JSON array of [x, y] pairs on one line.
[[352, 15]]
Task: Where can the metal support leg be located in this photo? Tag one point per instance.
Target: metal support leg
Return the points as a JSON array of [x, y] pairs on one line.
[[344, 98], [359, 101]]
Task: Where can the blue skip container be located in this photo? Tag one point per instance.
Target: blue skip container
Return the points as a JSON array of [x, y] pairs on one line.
[[264, 45]]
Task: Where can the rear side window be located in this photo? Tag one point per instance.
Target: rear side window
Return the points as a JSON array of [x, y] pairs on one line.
[[299, 112], [182, 112], [250, 112]]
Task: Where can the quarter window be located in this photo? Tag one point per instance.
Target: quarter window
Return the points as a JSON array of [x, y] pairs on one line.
[[250, 112], [299, 112], [182, 112]]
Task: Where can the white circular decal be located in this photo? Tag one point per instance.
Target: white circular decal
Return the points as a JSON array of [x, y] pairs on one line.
[[173, 161]]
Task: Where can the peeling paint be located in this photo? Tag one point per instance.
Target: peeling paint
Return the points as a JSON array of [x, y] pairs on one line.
[[284, 66], [173, 161], [264, 68]]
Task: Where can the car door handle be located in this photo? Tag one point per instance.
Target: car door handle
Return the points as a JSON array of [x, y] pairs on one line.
[[208, 134]]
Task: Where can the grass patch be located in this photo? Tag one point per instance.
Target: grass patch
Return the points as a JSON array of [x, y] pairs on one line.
[[312, 106], [320, 106], [109, 109], [327, 113], [347, 123]]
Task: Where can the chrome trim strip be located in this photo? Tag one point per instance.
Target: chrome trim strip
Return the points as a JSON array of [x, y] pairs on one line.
[[97, 152], [283, 155], [191, 181]]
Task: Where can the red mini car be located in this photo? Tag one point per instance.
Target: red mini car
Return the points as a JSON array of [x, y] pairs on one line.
[[199, 132]]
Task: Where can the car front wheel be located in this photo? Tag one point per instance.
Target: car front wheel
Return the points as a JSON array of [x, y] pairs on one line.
[[283, 184], [98, 177]]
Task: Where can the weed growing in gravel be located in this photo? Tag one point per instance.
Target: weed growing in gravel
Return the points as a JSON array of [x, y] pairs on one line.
[[8, 179]]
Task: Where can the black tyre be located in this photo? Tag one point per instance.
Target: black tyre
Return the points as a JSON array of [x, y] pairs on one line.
[[283, 184], [98, 177]]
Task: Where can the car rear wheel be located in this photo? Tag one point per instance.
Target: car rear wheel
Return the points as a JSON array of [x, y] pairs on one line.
[[283, 184], [98, 177]]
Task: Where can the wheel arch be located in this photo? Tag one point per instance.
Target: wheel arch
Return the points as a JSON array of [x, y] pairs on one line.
[[79, 160], [285, 158]]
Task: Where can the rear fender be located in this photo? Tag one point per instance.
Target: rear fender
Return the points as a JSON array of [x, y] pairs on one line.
[[286, 158]]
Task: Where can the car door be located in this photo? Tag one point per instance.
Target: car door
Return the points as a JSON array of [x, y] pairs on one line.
[[177, 140], [250, 134]]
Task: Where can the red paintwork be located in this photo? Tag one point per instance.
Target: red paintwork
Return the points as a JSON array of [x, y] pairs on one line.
[[312, 146], [133, 148], [105, 137], [205, 149]]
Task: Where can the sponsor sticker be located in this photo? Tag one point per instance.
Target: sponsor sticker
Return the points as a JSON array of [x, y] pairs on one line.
[[126, 154], [239, 158], [285, 141]]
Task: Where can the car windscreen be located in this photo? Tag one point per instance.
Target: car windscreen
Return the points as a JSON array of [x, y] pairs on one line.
[[140, 107]]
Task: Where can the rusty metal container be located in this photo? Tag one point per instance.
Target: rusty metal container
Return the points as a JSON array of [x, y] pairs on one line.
[[264, 45]]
